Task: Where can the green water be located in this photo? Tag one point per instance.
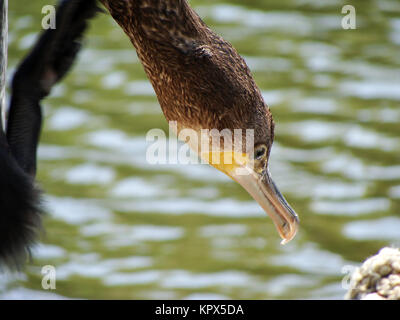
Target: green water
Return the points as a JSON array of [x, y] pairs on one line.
[[118, 227]]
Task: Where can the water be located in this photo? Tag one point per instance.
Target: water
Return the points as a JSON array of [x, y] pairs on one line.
[[118, 227]]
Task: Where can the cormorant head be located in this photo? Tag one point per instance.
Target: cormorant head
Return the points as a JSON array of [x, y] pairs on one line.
[[243, 155]]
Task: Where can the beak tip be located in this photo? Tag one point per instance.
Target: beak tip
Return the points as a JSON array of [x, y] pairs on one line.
[[291, 232], [285, 241], [263, 189]]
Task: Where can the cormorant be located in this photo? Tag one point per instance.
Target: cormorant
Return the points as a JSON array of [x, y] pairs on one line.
[[201, 83]]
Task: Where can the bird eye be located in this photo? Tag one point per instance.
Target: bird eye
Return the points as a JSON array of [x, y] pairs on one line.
[[260, 152]]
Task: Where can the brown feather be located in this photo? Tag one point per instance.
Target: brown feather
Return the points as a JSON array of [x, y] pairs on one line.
[[199, 78]]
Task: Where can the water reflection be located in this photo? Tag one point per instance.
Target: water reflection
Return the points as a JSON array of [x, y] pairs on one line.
[[119, 227], [379, 229]]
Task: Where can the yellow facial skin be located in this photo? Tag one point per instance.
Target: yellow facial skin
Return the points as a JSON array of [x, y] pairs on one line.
[[226, 161], [260, 186]]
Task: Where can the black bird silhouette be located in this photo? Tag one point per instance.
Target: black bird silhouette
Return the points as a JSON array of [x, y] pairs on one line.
[[201, 83], [47, 63]]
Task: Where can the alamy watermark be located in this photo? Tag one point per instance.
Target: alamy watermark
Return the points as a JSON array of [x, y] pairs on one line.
[[349, 20], [49, 277], [203, 146], [49, 20], [348, 271]]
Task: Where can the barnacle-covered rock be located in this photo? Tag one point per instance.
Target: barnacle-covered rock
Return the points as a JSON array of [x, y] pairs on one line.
[[377, 278]]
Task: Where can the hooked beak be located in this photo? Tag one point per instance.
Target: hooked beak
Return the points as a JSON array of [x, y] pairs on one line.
[[263, 189]]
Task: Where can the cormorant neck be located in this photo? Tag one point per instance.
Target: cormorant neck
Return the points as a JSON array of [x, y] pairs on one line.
[[156, 20]]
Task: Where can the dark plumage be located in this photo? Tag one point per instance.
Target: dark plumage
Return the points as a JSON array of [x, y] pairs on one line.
[[202, 83], [199, 78], [45, 65]]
